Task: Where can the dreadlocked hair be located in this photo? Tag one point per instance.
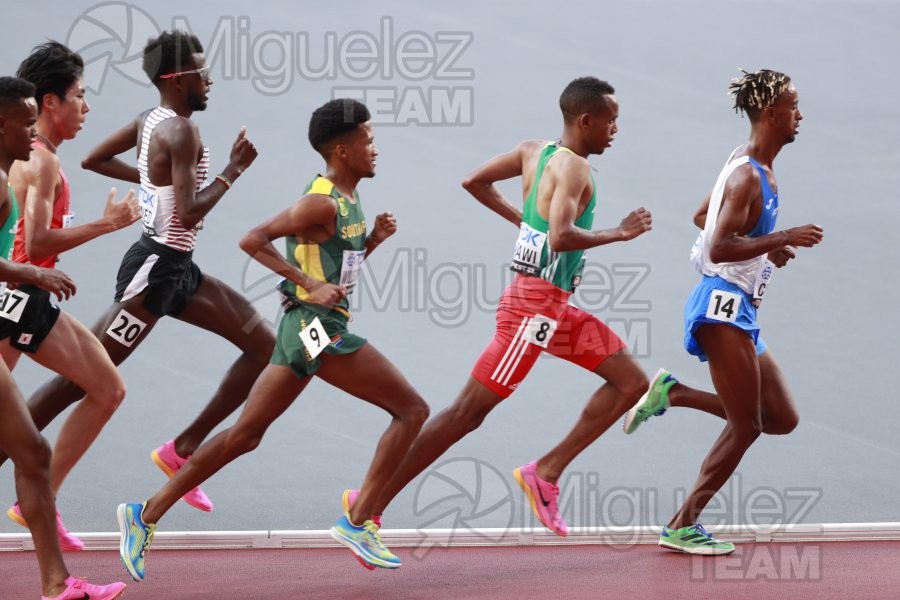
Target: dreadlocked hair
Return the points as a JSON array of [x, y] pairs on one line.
[[755, 92]]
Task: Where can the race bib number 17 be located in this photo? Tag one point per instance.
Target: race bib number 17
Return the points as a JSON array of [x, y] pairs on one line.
[[723, 306], [12, 305]]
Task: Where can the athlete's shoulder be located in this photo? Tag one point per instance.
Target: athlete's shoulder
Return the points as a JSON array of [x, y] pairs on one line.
[[530, 146], [320, 185], [178, 128], [41, 163], [743, 181], [319, 197]]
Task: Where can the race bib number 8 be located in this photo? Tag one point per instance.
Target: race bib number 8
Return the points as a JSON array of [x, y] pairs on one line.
[[12, 305], [723, 306], [126, 328], [539, 330], [314, 337]]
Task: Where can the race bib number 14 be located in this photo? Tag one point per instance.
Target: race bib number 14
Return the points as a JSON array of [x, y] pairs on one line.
[[723, 306]]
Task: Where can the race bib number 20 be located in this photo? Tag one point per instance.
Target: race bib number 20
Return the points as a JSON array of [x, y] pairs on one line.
[[125, 328]]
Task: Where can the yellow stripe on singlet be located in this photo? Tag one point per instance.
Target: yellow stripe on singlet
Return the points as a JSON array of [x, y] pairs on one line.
[[310, 260], [321, 186]]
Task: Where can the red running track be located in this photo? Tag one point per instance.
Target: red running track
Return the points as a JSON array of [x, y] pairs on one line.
[[801, 571]]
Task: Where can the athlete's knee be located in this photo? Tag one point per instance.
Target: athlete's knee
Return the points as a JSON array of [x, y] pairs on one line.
[[470, 415], [632, 388], [108, 392], [784, 425], [32, 459], [242, 440], [746, 432], [416, 412]]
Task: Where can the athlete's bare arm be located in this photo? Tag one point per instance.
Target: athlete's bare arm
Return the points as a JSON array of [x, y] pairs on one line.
[[480, 182], [104, 159], [37, 184], [179, 141], [385, 227], [570, 178], [729, 243], [311, 218], [779, 256]]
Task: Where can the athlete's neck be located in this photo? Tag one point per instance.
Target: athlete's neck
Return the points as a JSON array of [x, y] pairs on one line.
[[762, 148], [181, 109], [571, 142], [345, 182], [48, 136]]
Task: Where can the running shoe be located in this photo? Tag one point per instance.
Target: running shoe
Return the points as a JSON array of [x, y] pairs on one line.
[[543, 497], [67, 541], [135, 538], [365, 542], [347, 500], [168, 460], [693, 539], [79, 589], [653, 403]]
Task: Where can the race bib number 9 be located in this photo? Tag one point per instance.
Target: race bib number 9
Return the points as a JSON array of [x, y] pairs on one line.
[[314, 338], [539, 330], [352, 261], [723, 306], [529, 246], [12, 305]]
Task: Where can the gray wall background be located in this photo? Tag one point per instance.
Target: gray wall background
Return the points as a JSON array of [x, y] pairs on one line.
[[829, 317]]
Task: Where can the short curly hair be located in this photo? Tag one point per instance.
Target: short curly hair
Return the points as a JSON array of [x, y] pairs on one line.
[[335, 118]]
